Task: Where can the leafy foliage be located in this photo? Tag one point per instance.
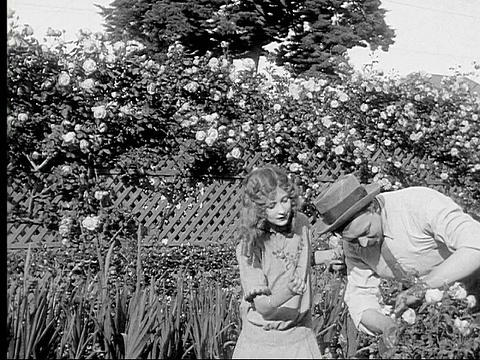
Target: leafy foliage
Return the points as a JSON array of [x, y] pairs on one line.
[[319, 32]]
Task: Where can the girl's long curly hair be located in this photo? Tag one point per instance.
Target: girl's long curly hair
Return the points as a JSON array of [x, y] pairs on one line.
[[259, 187]]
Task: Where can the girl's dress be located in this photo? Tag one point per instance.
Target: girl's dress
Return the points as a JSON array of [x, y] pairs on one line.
[[288, 332]]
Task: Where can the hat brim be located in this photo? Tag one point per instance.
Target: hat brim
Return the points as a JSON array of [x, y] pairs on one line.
[[321, 228]]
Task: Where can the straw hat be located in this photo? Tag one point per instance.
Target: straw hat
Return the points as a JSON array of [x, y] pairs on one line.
[[342, 201]]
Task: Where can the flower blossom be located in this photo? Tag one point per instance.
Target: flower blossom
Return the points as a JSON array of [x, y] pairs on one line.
[[321, 141], [200, 135], [463, 326], [236, 153], [84, 145], [89, 66], [100, 194], [22, 117], [63, 79], [87, 84], [99, 112], [91, 222], [191, 87], [457, 291], [433, 295], [151, 88], [334, 104], [409, 316], [471, 301], [294, 167], [69, 137], [339, 149]]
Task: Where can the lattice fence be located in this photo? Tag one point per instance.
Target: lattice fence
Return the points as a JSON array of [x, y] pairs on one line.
[[211, 216]]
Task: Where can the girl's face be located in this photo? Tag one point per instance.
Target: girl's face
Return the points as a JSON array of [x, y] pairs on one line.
[[278, 210], [365, 229]]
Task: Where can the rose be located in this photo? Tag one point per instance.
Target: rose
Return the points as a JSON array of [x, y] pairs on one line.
[[192, 86], [87, 84], [99, 112], [457, 291], [236, 153], [91, 222], [102, 127], [463, 326], [110, 58], [433, 295], [471, 301], [89, 46], [89, 66], [84, 145], [22, 117], [151, 88], [69, 137], [66, 169], [99, 195], [200, 135], [409, 316], [63, 79]]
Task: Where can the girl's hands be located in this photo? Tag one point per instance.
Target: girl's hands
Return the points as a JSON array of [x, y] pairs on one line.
[[297, 285]]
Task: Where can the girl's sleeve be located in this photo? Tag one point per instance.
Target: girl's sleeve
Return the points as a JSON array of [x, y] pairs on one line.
[[252, 277], [362, 291]]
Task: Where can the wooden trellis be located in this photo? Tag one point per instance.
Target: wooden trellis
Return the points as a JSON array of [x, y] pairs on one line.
[[211, 216]]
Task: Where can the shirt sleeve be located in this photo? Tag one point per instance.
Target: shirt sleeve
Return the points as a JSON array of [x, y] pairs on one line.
[[254, 282], [363, 288], [450, 225]]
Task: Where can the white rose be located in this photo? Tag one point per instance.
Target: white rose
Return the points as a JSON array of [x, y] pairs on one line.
[[89, 66], [151, 88], [192, 86], [433, 295], [471, 301], [66, 169], [89, 46], [110, 58], [84, 145], [99, 194], [334, 104], [87, 84], [63, 79], [91, 222], [463, 326], [457, 291], [102, 127], [236, 153], [409, 316], [200, 135], [69, 137], [99, 112], [212, 134], [339, 150]]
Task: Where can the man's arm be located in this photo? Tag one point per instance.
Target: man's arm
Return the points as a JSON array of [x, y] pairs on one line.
[[461, 264]]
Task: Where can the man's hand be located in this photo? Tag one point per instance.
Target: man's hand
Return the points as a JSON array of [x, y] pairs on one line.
[[409, 298]]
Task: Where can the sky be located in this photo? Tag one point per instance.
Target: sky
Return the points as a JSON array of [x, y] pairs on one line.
[[434, 36]]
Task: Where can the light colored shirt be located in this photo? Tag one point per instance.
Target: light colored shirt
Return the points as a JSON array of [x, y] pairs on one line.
[[268, 273], [421, 227]]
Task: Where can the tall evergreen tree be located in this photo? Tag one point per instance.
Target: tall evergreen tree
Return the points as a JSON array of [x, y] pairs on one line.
[[318, 33]]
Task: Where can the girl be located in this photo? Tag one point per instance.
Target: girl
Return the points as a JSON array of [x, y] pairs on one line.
[[274, 255]]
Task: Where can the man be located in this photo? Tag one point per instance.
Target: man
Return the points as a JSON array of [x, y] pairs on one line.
[[397, 235]]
